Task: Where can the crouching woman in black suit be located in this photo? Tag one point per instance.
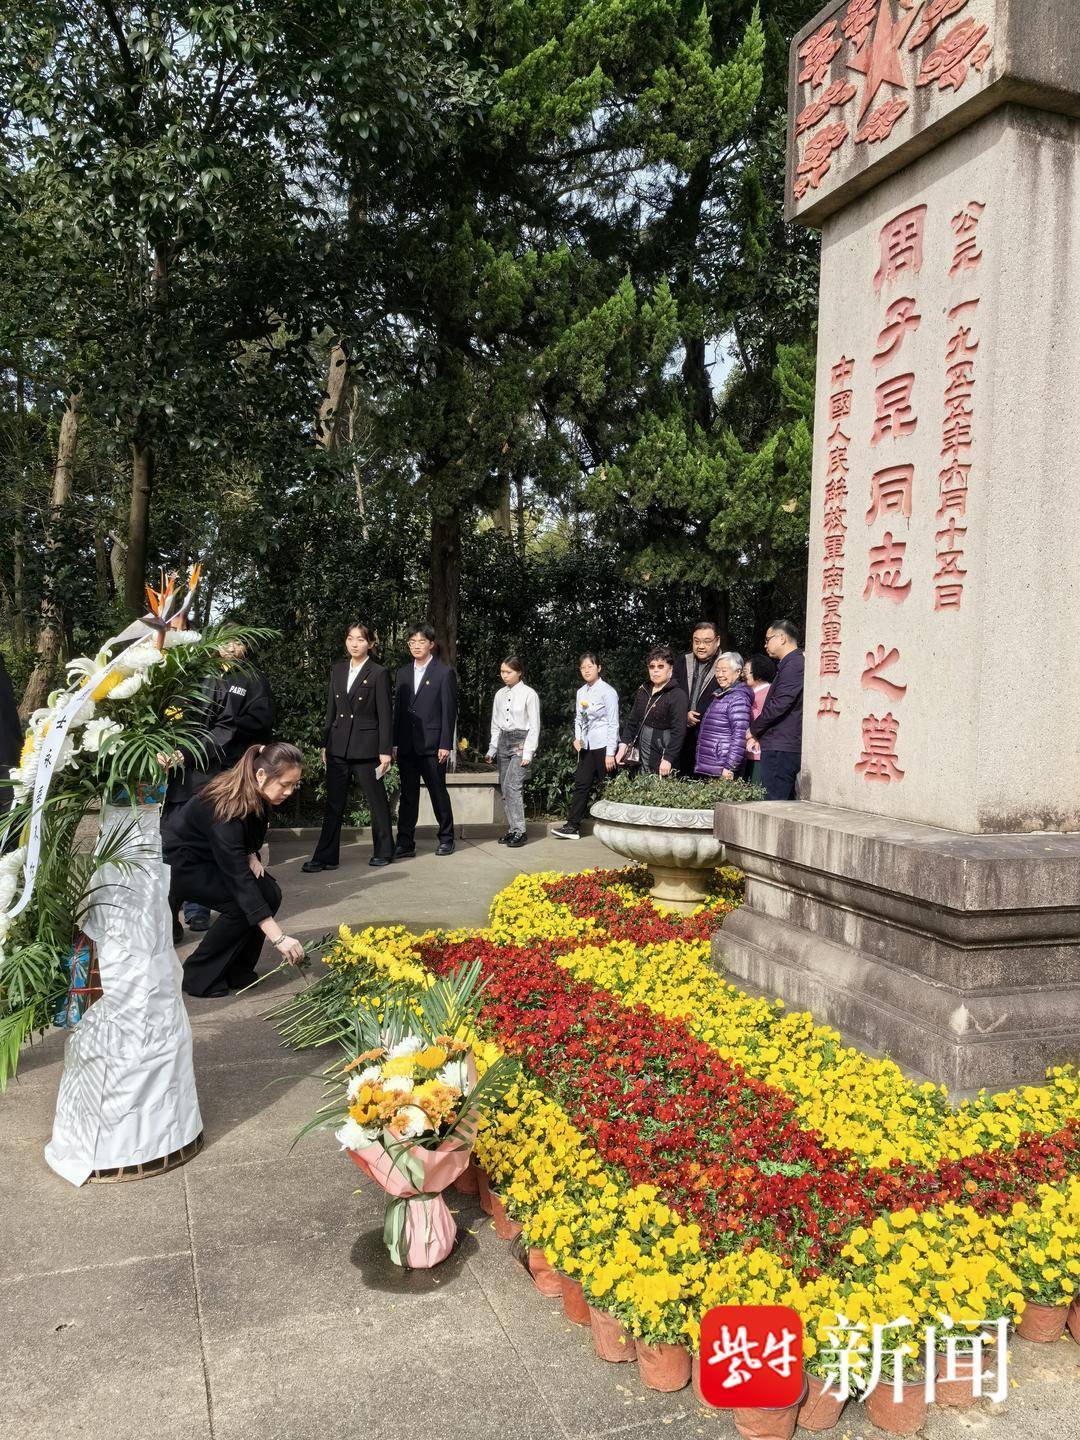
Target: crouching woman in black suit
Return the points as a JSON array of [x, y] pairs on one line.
[[212, 848]]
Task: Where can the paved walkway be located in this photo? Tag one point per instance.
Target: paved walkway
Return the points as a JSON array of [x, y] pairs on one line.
[[247, 1295]]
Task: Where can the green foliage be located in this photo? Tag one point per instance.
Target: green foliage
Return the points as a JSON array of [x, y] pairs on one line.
[[679, 794]]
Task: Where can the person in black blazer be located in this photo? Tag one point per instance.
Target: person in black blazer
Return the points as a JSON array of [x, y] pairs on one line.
[[358, 730], [425, 715]]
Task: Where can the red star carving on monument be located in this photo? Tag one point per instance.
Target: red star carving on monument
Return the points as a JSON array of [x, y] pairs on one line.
[[880, 61]]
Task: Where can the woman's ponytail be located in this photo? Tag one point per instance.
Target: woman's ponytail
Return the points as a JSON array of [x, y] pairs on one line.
[[235, 793]]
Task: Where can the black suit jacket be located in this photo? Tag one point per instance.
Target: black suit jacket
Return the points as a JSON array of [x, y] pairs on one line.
[[359, 722], [424, 723]]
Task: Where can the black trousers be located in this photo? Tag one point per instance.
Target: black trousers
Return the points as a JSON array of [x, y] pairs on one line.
[[778, 771], [338, 772], [414, 768], [591, 770], [230, 948]]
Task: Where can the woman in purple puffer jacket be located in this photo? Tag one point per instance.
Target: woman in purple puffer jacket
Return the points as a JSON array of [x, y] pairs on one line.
[[722, 742]]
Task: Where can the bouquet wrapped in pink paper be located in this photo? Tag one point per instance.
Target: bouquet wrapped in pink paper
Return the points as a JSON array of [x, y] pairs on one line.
[[413, 1102]]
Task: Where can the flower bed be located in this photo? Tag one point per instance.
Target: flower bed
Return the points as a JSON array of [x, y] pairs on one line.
[[674, 1144]]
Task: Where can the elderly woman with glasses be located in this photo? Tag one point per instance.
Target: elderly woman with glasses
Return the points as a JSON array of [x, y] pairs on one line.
[[722, 744]]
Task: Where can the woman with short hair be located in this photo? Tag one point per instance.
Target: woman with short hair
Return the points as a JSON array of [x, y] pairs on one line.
[[515, 731], [596, 738], [655, 729], [722, 744], [212, 849]]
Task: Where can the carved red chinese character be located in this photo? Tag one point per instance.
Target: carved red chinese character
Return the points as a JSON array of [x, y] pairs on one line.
[[837, 95], [830, 632], [890, 493], [885, 579], [879, 761], [880, 123], [966, 255], [953, 485], [873, 679], [816, 160], [817, 54], [834, 521], [960, 344], [900, 317], [948, 64], [933, 15], [961, 379], [894, 413], [840, 404], [830, 662], [828, 705], [901, 246], [957, 434], [841, 372], [949, 564], [832, 580], [834, 547], [948, 597]]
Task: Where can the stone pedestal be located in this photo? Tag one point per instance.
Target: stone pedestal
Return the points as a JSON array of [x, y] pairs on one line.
[[912, 901], [958, 955]]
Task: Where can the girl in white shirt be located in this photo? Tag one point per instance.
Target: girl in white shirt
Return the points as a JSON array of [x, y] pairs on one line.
[[596, 738], [515, 731]]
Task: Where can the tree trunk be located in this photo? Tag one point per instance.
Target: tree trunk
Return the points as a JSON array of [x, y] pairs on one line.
[[138, 541], [444, 582], [519, 481], [52, 618], [501, 516], [333, 408], [357, 465]]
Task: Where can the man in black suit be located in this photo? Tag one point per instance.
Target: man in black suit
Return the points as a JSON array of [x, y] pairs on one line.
[[425, 714], [696, 674], [359, 725]]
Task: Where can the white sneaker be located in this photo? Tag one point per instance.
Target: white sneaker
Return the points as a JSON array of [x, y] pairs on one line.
[[565, 833]]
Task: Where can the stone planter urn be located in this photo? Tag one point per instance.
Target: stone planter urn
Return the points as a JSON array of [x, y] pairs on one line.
[[678, 846]]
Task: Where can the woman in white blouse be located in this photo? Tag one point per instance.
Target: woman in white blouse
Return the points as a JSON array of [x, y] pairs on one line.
[[596, 738], [515, 731]]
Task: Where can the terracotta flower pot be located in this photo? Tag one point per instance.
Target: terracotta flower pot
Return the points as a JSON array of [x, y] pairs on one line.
[[819, 1411], [610, 1341], [1043, 1323], [695, 1376], [766, 1424], [1074, 1320], [898, 1417], [663, 1367], [468, 1182], [544, 1277], [960, 1392], [505, 1228], [483, 1189], [575, 1306]]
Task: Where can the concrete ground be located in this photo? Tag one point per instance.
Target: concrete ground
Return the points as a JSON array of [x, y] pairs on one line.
[[247, 1295]]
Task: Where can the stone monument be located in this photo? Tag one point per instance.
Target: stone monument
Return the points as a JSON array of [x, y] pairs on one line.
[[924, 893]]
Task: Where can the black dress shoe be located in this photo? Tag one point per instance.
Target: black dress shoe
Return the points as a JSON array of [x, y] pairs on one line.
[[216, 993], [401, 853], [378, 860], [312, 867], [505, 839], [445, 849], [517, 840]]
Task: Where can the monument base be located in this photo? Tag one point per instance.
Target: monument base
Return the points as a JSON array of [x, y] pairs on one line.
[[957, 955]]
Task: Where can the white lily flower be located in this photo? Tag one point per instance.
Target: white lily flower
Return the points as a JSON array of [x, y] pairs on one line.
[[39, 719]]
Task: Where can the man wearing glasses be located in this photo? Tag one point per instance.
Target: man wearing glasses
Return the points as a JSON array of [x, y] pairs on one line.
[[778, 729]]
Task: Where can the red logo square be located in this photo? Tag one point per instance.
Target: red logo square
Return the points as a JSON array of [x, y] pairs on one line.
[[751, 1356]]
